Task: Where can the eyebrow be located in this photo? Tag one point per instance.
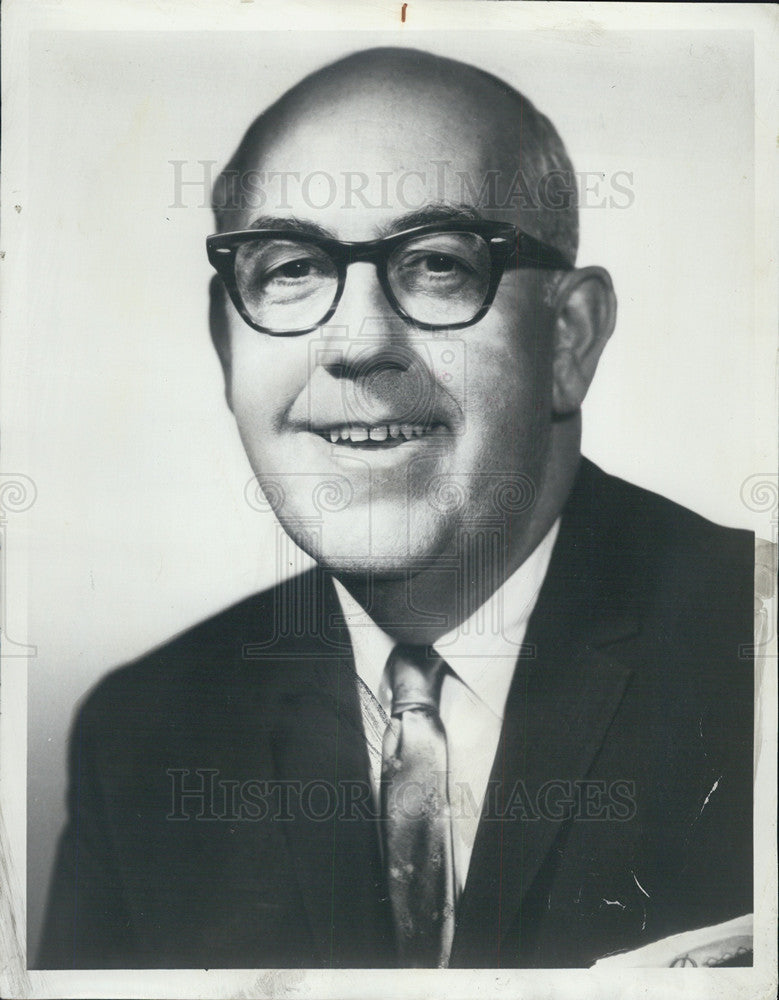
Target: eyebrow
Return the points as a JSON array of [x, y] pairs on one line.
[[291, 224], [435, 212], [440, 211]]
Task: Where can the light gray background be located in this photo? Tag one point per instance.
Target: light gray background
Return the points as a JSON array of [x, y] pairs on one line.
[[140, 526]]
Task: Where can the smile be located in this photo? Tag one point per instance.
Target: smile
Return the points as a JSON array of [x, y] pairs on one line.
[[377, 435]]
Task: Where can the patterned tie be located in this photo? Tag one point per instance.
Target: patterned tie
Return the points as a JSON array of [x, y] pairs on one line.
[[415, 811]]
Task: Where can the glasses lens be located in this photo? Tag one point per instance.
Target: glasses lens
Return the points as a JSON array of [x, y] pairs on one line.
[[285, 285], [441, 278]]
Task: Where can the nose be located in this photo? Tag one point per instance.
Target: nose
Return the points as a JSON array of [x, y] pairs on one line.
[[362, 300], [364, 333], [366, 348]]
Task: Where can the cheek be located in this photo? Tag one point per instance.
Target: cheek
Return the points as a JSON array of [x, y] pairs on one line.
[[508, 403], [508, 388], [267, 374]]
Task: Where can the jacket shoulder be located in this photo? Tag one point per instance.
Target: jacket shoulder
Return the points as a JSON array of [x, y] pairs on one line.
[[191, 674], [659, 534]]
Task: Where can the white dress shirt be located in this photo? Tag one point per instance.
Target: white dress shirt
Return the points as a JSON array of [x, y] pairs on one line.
[[482, 654]]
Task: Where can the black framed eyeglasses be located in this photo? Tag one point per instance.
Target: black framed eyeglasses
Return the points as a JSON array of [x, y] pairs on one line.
[[437, 276]]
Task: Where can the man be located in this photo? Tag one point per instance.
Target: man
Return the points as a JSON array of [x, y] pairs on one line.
[[507, 720]]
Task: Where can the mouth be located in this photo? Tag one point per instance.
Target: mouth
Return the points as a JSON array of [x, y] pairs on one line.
[[365, 437]]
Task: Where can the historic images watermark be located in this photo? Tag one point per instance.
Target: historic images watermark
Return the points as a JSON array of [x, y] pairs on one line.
[[18, 493], [204, 794], [193, 186], [476, 565], [760, 493]]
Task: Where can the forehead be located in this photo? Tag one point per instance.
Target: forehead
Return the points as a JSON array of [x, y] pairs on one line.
[[355, 160]]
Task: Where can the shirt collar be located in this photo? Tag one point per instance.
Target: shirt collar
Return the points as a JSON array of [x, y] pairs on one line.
[[482, 651], [370, 644]]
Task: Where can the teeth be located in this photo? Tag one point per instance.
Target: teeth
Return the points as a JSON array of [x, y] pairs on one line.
[[380, 432]]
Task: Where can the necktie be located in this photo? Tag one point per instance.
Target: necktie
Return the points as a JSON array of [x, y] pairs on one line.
[[415, 811]]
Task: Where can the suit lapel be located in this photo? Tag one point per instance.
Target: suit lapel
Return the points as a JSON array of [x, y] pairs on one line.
[[321, 757], [557, 715], [563, 696]]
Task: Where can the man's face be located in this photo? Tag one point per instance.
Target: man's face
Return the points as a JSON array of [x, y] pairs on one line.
[[457, 422]]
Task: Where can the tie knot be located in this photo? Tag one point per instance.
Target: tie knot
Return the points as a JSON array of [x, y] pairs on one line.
[[416, 674]]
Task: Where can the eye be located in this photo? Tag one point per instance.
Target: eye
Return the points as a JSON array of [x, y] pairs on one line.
[[294, 269], [439, 263], [431, 270], [280, 263]]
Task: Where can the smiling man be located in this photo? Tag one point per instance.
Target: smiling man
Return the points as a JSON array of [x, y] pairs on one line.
[[507, 719]]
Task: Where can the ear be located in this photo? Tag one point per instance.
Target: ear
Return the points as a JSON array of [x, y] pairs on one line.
[[220, 331], [585, 311]]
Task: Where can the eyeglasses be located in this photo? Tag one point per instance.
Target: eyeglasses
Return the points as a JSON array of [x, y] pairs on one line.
[[436, 276]]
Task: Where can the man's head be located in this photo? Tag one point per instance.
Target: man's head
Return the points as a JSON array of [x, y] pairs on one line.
[[457, 416]]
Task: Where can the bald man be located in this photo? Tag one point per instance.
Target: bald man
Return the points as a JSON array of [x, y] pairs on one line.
[[506, 720]]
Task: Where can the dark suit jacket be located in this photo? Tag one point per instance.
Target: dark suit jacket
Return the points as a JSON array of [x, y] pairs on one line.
[[634, 692]]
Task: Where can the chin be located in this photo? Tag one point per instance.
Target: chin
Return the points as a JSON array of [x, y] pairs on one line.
[[346, 547], [377, 570]]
